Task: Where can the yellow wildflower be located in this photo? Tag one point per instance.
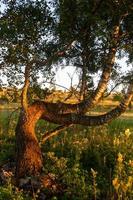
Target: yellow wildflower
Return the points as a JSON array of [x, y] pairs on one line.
[[127, 133], [131, 163], [120, 158], [130, 182], [116, 141], [116, 183], [124, 187]]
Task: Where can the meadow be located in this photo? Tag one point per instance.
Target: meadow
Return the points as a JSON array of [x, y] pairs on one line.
[[91, 163]]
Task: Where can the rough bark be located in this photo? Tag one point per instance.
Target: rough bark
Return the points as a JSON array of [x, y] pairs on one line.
[[28, 153], [73, 118]]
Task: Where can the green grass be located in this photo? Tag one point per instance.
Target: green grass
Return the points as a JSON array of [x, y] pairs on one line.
[[4, 114], [84, 159], [121, 124]]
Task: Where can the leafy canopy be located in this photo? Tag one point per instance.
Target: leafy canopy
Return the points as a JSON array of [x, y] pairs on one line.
[[45, 34]]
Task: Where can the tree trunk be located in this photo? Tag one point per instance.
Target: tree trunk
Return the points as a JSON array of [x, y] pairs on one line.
[[28, 153]]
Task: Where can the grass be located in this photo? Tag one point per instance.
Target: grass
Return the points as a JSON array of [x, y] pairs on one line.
[[94, 163]]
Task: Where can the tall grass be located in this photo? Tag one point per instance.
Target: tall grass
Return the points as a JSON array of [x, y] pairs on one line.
[[93, 163]]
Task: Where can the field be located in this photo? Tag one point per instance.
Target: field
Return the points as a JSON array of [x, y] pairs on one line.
[[92, 163]]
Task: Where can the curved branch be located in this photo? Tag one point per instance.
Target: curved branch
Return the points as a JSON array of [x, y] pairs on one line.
[[72, 118], [54, 132], [107, 69], [83, 106]]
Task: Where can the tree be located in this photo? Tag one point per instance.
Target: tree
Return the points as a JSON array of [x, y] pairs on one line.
[[37, 35]]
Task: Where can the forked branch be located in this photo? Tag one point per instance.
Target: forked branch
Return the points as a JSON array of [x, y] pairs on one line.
[[83, 106]]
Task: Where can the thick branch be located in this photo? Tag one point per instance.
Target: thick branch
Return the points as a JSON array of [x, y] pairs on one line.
[[91, 101], [83, 106], [109, 63], [72, 118]]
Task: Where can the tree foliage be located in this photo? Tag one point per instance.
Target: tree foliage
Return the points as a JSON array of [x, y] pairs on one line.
[[72, 32], [36, 36]]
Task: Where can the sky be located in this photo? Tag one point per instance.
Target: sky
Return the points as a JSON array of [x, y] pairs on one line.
[[62, 77], [67, 76]]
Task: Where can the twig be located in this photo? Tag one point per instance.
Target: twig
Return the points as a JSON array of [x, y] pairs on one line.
[[117, 84], [54, 132], [49, 82], [71, 92]]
